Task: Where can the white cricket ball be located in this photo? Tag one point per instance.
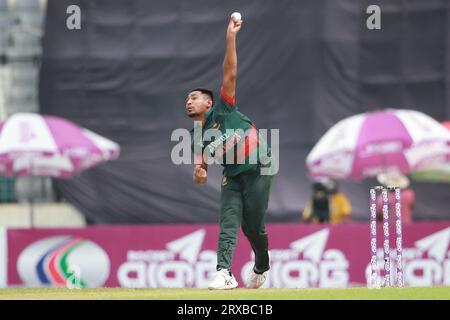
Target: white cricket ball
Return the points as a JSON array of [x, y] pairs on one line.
[[236, 16]]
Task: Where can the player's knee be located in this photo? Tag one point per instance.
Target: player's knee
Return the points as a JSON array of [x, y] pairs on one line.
[[245, 230], [229, 225], [251, 231], [228, 233]]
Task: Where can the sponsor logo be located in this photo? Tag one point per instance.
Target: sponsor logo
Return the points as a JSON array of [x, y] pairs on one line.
[[426, 264], [181, 264], [184, 264], [306, 264], [381, 147], [63, 261], [26, 132]]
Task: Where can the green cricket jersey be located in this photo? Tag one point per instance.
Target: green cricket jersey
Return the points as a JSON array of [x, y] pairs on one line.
[[237, 150]]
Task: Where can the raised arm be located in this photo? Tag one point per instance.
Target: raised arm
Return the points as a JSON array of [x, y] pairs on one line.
[[230, 61]]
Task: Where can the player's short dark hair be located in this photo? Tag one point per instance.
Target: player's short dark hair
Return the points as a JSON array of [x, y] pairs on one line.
[[205, 91]]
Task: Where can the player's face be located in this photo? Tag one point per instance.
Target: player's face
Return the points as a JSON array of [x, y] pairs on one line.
[[197, 103]]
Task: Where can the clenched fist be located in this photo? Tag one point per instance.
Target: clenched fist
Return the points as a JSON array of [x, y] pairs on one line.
[[233, 28], [200, 175]]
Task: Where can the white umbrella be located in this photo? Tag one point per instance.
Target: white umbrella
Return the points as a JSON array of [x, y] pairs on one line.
[[36, 145], [437, 172], [367, 144]]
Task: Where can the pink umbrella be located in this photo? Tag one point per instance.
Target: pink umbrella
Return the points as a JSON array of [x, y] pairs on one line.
[[435, 172], [446, 124], [33, 144], [36, 145], [367, 144]]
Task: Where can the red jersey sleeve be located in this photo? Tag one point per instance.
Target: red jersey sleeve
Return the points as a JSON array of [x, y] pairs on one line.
[[228, 99]]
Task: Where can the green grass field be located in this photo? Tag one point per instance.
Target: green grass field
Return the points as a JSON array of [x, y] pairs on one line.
[[410, 293]]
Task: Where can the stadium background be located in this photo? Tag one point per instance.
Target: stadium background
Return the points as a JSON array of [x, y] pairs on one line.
[[303, 66]]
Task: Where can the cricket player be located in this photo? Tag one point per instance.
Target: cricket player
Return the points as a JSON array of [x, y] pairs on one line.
[[244, 191]]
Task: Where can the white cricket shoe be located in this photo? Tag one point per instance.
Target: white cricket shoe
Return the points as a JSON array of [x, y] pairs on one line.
[[256, 280], [223, 280]]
